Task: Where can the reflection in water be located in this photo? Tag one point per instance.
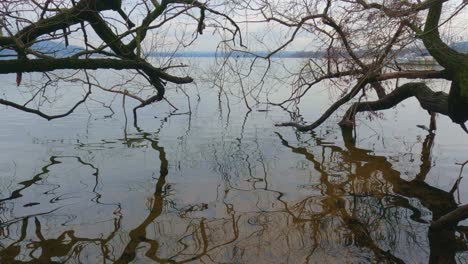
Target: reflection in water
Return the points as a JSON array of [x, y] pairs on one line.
[[213, 185], [357, 206], [362, 183], [66, 246], [17, 232]]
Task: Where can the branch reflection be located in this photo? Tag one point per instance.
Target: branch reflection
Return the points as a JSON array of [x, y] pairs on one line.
[[357, 205]]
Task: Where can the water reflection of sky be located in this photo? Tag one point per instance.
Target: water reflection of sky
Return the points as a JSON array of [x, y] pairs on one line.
[[225, 186]]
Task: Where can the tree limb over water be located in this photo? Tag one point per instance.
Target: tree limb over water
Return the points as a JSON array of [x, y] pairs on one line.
[[25, 25], [363, 49]]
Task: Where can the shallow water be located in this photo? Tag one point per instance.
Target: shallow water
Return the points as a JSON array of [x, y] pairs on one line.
[[225, 186]]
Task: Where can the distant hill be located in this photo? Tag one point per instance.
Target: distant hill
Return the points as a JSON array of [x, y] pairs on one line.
[[240, 54], [56, 49], [59, 50], [49, 48], [460, 46]]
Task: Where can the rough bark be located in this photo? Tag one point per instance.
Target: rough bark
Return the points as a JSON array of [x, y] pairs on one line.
[[452, 218], [42, 65], [454, 62], [454, 104], [458, 96], [65, 18]]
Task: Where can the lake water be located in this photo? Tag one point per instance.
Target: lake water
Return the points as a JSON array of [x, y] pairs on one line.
[[223, 185]]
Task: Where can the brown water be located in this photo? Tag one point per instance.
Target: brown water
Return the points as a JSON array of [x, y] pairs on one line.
[[225, 186]]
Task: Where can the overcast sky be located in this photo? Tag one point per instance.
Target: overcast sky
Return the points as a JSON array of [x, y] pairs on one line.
[[257, 36]]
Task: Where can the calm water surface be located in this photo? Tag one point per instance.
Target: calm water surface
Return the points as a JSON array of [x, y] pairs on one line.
[[225, 186]]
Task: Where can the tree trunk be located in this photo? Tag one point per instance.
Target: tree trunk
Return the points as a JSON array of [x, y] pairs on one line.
[[458, 97]]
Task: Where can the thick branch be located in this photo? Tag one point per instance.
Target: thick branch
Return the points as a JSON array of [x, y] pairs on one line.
[[442, 53], [451, 219], [379, 89], [429, 100], [42, 65], [142, 30], [108, 36], [65, 18]]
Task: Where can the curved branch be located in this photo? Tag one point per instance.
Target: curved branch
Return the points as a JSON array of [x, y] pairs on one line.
[[442, 53], [431, 101], [42, 65], [361, 83], [41, 114], [65, 18], [452, 218]]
